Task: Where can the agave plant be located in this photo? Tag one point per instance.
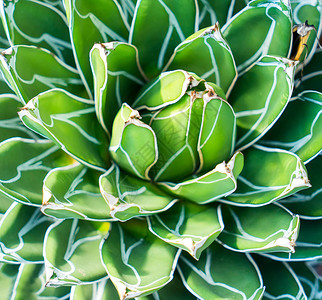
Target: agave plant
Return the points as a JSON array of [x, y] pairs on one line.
[[161, 150]]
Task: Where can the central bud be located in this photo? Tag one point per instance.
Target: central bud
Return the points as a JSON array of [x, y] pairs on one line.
[[181, 126]]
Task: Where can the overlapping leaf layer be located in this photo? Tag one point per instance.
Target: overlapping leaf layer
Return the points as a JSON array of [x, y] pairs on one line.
[[159, 149]]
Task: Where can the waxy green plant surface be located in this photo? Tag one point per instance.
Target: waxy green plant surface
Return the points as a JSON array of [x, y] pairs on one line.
[[159, 149]]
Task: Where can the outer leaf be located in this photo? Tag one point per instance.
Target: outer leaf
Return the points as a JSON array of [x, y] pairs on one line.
[[269, 174], [221, 274], [117, 79], [72, 254], [310, 11], [207, 54], [40, 31], [101, 290], [73, 191], [260, 96], [171, 21], [132, 273], [10, 124], [71, 123], [264, 229], [30, 284], [22, 230], [188, 226], [133, 144], [28, 76], [219, 182], [24, 164], [308, 246], [308, 203], [270, 36], [212, 11], [129, 196], [309, 279], [280, 280], [8, 275], [299, 129], [92, 22]]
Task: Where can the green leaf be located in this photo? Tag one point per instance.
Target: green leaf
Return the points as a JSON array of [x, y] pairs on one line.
[[72, 252], [217, 183], [268, 228], [30, 70], [40, 32], [171, 21], [308, 203], [280, 280], [308, 245], [310, 11], [73, 191], [129, 253], [263, 27], [299, 129], [133, 144], [101, 290], [117, 79], [92, 22], [10, 124], [8, 276], [221, 274], [30, 285], [129, 196], [24, 164], [259, 97], [70, 122], [188, 226], [22, 231], [309, 279], [269, 174], [207, 54]]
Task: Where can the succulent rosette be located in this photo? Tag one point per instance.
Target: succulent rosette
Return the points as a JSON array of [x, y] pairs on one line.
[[161, 150]]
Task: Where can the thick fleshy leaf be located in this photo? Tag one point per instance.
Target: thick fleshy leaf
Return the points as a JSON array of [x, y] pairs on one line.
[[311, 77], [72, 252], [263, 27], [310, 12], [308, 245], [40, 31], [101, 290], [93, 22], [73, 191], [171, 21], [268, 228], [309, 279], [269, 174], [279, 279], [28, 76], [133, 144], [137, 262], [308, 203], [260, 96], [117, 79], [221, 274], [4, 86], [299, 129], [207, 54], [188, 226], [22, 231], [30, 284], [217, 183], [129, 196], [24, 163], [8, 276], [212, 11], [71, 123], [10, 124]]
